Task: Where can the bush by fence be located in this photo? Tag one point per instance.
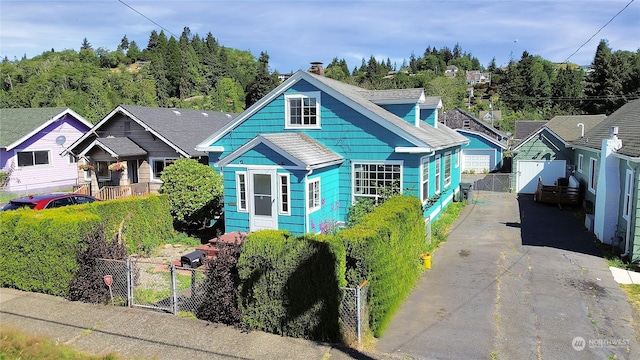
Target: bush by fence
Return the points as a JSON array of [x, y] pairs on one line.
[[38, 251], [290, 286], [384, 248], [39, 248]]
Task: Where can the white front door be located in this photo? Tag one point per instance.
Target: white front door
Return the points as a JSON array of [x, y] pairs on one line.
[[263, 212]]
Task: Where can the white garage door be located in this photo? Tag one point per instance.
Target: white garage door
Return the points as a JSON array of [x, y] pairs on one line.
[[530, 170], [477, 160]]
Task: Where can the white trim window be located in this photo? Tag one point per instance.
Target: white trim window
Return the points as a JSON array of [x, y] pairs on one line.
[[457, 156], [157, 167], [447, 169], [313, 195], [424, 178], [241, 191], [580, 163], [437, 177], [628, 191], [593, 174], [302, 110], [370, 179], [285, 194], [33, 158], [72, 159]]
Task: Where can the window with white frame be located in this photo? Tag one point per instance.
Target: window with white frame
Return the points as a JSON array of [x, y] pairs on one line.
[[628, 190], [285, 195], [32, 158], [447, 169], [370, 180], [241, 191], [313, 194], [424, 178], [302, 110], [593, 174], [580, 163], [457, 158], [438, 173], [158, 165], [72, 159]]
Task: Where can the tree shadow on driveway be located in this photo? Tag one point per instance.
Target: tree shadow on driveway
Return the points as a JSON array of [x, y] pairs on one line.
[[548, 225]]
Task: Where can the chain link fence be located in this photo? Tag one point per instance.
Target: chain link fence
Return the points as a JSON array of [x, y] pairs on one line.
[[354, 314], [493, 182], [153, 285]]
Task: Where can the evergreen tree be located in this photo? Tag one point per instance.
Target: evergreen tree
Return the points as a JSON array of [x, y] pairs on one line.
[[263, 82], [603, 86], [85, 45]]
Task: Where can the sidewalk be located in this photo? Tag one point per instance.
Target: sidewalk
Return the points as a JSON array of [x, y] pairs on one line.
[[622, 276], [146, 334]]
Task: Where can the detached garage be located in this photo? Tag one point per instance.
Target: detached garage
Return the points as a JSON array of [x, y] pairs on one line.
[[483, 154], [528, 171]]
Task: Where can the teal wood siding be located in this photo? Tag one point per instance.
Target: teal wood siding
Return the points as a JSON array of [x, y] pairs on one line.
[[428, 116], [295, 222], [234, 220], [343, 130], [405, 111], [331, 209], [477, 142], [543, 146], [447, 193]]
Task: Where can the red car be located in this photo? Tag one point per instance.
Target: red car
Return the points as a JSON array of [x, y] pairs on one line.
[[48, 201]]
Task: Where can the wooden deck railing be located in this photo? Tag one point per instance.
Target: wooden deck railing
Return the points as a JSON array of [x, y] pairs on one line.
[[82, 189], [124, 191]]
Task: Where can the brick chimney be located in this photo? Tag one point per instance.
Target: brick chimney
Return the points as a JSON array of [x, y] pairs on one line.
[[316, 68]]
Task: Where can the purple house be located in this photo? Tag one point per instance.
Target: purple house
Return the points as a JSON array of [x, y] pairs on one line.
[[31, 143]]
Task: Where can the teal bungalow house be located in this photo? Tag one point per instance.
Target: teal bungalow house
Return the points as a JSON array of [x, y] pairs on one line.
[[299, 157]]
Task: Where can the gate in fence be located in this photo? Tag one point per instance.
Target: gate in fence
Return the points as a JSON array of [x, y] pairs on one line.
[[493, 182], [354, 313], [152, 285]]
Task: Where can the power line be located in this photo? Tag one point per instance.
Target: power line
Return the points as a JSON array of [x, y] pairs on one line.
[[146, 17], [603, 26]]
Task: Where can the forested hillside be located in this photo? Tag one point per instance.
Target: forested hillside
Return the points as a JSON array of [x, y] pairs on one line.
[[198, 73]]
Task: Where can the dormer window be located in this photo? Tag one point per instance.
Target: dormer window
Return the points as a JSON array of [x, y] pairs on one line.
[[302, 110], [466, 123]]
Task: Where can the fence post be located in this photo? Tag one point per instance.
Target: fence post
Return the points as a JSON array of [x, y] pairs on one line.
[[358, 315], [129, 276], [174, 296]]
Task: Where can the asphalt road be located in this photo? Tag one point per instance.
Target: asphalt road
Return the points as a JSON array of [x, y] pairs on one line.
[[515, 280]]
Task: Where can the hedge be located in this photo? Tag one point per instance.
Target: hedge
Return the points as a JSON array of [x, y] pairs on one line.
[[384, 248], [290, 286], [38, 248]]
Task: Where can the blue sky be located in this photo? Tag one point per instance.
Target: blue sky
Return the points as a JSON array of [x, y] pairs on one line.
[[295, 33]]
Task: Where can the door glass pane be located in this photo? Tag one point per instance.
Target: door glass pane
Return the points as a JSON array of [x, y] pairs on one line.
[[262, 194]]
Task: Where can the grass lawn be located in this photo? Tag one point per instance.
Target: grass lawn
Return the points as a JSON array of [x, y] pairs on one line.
[[633, 294], [15, 344]]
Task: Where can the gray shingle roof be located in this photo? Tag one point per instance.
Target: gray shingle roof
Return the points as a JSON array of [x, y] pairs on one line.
[[17, 123], [627, 119], [392, 94], [566, 126], [304, 148], [122, 146], [526, 128], [437, 138], [184, 128]]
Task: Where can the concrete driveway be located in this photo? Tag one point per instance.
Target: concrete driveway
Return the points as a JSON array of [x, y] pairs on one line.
[[515, 280]]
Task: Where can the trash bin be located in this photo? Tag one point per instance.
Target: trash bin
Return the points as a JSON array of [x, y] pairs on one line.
[[466, 192]]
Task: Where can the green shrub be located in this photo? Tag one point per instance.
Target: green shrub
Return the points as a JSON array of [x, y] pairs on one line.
[[38, 248], [290, 286], [384, 248], [194, 190]]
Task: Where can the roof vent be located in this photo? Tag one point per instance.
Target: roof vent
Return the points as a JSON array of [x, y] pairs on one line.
[[176, 112], [205, 114], [228, 115], [316, 68]]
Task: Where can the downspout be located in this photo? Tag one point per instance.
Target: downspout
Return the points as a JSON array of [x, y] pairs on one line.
[[306, 216], [631, 211]]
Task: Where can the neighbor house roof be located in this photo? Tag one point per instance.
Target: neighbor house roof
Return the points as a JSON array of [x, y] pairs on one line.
[[567, 128], [17, 125], [179, 128], [299, 148], [525, 128], [117, 147], [360, 100], [627, 119]]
